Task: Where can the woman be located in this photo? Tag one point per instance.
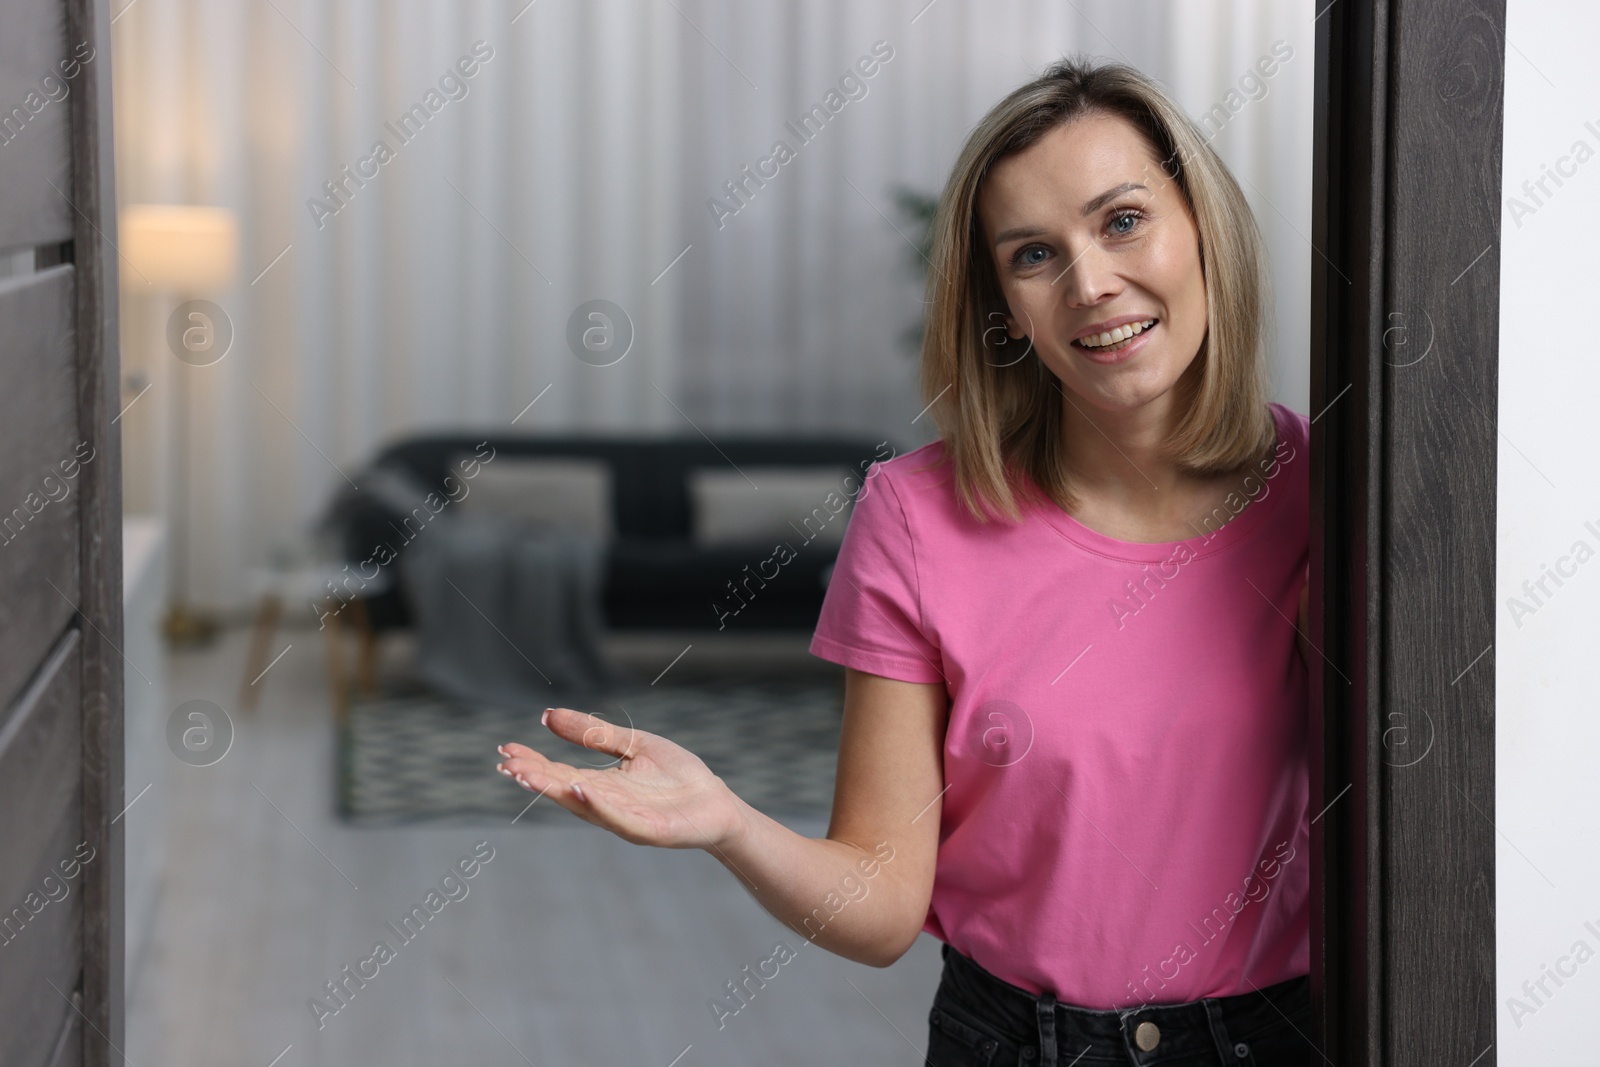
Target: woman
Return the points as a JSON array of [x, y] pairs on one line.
[[1075, 717]]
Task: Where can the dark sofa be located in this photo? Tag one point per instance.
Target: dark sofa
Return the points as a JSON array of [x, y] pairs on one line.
[[656, 577]]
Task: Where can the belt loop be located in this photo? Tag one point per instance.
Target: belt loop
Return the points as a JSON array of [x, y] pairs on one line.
[[1046, 1003], [1219, 1032]]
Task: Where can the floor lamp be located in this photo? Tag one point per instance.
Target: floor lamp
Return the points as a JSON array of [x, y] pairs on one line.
[[189, 252]]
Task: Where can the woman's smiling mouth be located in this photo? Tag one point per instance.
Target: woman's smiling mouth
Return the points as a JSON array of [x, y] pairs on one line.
[[1108, 342]]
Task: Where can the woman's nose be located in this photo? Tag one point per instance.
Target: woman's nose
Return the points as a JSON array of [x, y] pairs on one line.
[[1088, 277]]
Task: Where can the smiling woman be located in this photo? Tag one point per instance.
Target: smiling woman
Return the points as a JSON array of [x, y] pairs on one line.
[[1063, 793], [1071, 216], [1089, 216]]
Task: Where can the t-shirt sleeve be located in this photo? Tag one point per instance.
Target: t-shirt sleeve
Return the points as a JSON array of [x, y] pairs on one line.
[[871, 613]]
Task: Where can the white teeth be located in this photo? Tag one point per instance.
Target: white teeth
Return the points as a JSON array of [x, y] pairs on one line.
[[1116, 336]]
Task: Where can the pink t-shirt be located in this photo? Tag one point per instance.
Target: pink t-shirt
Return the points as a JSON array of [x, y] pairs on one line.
[[1125, 818]]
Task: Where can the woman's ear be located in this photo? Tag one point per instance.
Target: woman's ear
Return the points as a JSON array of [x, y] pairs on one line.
[[1013, 329], [1002, 329]]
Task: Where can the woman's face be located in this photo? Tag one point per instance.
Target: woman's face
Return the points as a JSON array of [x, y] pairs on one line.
[[1089, 235]]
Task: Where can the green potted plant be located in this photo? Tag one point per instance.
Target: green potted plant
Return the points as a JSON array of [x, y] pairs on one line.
[[917, 208]]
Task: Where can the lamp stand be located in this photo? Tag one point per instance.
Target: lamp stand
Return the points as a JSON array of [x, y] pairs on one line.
[[183, 626]]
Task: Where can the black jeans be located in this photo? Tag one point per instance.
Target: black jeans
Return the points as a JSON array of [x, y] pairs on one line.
[[979, 1020]]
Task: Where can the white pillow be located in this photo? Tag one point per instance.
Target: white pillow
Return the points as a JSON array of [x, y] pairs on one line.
[[792, 504], [545, 491]]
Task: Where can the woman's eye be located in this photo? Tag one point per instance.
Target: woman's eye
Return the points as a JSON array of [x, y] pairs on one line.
[[1024, 256], [1129, 217]]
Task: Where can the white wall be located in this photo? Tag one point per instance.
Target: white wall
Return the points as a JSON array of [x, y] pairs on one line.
[[1547, 659], [144, 739], [582, 159]]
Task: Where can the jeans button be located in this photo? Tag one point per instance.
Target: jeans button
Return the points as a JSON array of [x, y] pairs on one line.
[[1029, 1053], [1241, 1050], [990, 1046], [1147, 1036]]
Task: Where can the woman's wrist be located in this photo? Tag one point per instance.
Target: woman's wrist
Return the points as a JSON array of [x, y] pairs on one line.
[[736, 829]]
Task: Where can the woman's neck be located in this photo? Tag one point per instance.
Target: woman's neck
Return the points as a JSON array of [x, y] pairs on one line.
[[1117, 455]]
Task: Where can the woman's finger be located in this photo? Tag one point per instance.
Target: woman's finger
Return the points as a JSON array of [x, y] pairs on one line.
[[539, 775], [511, 750], [593, 732], [573, 789], [518, 759]]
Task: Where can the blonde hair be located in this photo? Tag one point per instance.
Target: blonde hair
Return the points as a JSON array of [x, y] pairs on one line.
[[1001, 422]]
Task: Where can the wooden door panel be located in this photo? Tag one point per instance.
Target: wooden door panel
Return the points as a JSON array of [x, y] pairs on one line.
[[47, 952], [38, 440], [61, 788], [1405, 223], [35, 122], [41, 943], [69, 1046]]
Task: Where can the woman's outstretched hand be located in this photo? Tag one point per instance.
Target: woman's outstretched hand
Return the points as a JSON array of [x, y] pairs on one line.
[[657, 793]]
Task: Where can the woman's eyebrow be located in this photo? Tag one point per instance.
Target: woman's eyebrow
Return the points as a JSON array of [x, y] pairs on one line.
[[1088, 209], [1015, 232], [1109, 195]]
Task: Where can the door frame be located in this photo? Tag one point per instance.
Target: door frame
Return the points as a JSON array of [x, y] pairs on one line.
[[1404, 378], [100, 536]]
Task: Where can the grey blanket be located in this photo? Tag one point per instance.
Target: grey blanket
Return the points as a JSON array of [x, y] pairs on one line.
[[507, 613]]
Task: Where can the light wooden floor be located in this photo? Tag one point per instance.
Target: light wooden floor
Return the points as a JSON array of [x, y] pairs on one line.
[[571, 947]]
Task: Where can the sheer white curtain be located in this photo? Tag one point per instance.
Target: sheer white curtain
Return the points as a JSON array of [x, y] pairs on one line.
[[578, 165]]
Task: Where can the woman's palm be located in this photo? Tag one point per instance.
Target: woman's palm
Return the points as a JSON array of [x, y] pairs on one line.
[[657, 793]]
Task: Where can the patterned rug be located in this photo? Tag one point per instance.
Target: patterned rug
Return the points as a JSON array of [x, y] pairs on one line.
[[412, 756]]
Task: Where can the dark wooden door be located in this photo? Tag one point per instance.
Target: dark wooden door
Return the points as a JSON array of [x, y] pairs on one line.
[[1405, 335], [60, 543]]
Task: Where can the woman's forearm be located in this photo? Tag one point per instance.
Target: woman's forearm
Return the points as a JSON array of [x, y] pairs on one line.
[[845, 897]]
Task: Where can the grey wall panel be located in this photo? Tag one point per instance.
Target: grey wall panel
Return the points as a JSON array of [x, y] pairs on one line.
[[38, 498]]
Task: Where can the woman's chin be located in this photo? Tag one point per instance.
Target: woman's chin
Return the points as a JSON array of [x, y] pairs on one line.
[[1124, 392]]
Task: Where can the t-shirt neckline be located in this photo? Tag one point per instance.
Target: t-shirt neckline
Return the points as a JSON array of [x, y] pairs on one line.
[[1230, 533]]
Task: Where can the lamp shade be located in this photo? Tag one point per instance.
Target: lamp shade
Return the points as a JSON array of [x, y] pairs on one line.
[[180, 248]]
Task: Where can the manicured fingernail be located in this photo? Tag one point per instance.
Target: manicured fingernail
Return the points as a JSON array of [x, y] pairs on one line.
[[523, 782], [503, 769], [502, 750], [545, 718], [577, 791]]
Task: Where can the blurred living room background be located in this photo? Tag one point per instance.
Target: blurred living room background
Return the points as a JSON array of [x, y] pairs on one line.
[[479, 350]]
